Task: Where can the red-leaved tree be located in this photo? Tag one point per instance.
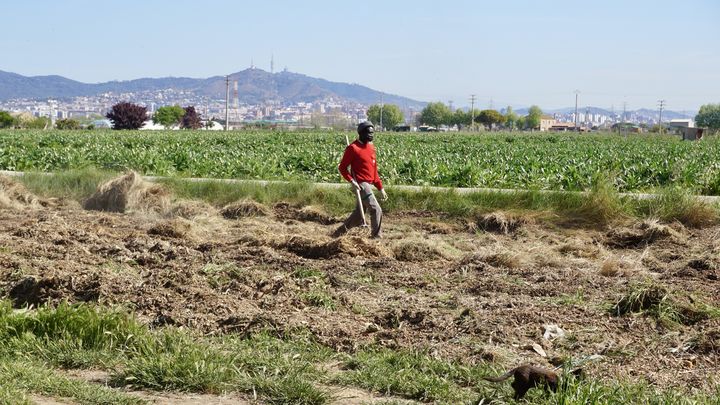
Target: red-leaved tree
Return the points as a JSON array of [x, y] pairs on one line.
[[127, 116], [191, 119]]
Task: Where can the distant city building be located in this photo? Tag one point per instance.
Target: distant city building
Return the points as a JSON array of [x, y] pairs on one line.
[[546, 122]]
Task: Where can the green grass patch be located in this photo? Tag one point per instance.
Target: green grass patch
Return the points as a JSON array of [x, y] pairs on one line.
[[22, 377], [412, 375], [76, 184], [600, 205], [280, 370]]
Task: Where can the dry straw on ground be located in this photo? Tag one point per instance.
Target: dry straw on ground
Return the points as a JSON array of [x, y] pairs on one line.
[[499, 222], [129, 193], [244, 208], [14, 195]]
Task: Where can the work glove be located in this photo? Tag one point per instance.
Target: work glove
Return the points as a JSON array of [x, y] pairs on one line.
[[355, 184], [383, 195]]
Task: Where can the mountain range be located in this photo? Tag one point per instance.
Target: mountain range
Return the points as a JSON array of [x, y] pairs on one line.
[[254, 86]]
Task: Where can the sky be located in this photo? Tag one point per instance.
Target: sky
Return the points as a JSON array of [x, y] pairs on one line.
[[511, 52]]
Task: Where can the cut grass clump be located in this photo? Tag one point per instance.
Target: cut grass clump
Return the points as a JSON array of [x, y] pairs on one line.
[[128, 193], [499, 222], [13, 194], [416, 251], [642, 234], [175, 228], [658, 302], [244, 208]]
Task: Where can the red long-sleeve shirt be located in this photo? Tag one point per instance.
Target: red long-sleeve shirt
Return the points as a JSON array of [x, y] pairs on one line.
[[362, 161]]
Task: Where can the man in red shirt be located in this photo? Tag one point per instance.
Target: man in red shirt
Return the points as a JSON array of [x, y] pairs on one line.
[[363, 174]]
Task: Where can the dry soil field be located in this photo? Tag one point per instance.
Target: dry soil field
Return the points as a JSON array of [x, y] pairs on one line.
[[480, 290]]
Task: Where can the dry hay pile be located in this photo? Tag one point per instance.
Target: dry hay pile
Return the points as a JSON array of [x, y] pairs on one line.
[[244, 208], [318, 249], [14, 195], [498, 222], [191, 209], [479, 261], [416, 251], [642, 234], [129, 193], [309, 213], [175, 228], [315, 214]]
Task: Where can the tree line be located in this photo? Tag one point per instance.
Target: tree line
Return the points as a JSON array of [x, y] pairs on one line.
[[122, 115], [437, 114]]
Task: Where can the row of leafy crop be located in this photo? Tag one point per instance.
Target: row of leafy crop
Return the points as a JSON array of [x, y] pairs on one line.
[[497, 160]]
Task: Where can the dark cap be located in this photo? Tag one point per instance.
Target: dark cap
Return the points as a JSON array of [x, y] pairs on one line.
[[364, 126]]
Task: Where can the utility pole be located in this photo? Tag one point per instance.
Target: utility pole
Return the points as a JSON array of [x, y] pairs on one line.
[[227, 102], [661, 104], [472, 111], [576, 111], [450, 102]]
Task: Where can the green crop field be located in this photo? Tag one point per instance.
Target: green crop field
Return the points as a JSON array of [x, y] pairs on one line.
[[497, 160]]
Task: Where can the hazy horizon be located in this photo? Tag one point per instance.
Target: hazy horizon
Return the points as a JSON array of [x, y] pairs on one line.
[[516, 53]]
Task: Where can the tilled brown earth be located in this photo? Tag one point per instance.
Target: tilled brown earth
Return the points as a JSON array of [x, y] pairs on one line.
[[484, 291]]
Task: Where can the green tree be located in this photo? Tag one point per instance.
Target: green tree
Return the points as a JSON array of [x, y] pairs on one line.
[[520, 123], [38, 123], [510, 118], [6, 120], [708, 117], [168, 115], [490, 117], [126, 115], [435, 114], [67, 123], [391, 115], [532, 120], [460, 118]]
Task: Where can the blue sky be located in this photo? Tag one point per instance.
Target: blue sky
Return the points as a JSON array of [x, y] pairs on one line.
[[517, 52]]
